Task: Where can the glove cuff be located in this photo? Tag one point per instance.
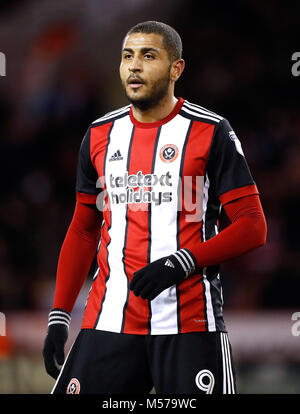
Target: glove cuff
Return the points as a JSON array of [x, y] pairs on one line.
[[59, 316], [187, 261]]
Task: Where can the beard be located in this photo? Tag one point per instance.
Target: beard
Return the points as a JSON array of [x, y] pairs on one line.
[[158, 91]]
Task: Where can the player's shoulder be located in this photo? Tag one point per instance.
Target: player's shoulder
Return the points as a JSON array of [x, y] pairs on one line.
[[201, 114], [111, 116]]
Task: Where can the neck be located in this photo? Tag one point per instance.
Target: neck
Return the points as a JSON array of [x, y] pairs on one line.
[[158, 112]]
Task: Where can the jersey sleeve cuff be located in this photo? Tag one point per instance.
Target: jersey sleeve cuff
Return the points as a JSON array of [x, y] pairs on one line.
[[238, 193], [59, 316], [86, 198], [187, 261]]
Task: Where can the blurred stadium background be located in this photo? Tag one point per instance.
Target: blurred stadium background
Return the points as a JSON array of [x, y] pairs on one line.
[[62, 62]]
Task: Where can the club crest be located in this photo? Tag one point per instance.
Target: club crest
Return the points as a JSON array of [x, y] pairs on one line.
[[73, 387], [168, 153]]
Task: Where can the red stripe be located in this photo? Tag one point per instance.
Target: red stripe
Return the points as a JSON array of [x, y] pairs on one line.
[[136, 251], [98, 146], [192, 300]]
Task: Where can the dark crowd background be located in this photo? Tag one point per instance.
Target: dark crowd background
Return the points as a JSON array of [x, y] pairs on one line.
[[62, 61], [62, 73]]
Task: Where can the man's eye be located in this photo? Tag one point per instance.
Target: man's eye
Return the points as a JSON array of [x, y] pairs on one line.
[[127, 56], [148, 56]]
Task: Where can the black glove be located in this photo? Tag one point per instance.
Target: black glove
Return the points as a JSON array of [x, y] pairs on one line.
[[54, 345], [157, 276]]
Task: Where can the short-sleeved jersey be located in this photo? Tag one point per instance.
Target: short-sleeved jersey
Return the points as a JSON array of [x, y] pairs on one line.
[[161, 187]]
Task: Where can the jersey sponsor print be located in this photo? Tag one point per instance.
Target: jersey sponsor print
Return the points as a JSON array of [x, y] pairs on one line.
[[161, 187]]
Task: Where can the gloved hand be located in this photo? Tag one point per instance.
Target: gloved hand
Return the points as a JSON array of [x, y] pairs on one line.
[[54, 345], [157, 276]]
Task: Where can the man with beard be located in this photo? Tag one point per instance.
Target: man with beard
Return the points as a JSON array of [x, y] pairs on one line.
[[154, 315]]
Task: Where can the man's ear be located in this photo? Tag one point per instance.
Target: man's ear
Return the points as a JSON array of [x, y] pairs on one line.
[[177, 69]]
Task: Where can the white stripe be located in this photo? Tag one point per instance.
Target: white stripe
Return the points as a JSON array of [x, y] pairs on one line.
[[182, 263], [111, 315], [224, 364], [212, 118], [221, 293], [94, 277], [200, 109], [187, 266], [218, 275], [99, 242], [228, 381], [96, 273], [211, 323], [188, 257], [56, 322], [227, 367], [164, 225], [182, 260], [58, 312], [204, 204], [59, 318], [229, 373], [56, 382], [106, 117], [112, 114], [209, 308]]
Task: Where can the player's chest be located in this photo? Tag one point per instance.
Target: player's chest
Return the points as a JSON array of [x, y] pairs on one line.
[[177, 149]]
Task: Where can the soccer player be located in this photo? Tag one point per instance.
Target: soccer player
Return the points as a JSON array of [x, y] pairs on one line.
[[152, 179]]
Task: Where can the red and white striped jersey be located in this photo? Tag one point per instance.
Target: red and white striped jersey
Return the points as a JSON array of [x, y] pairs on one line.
[[163, 185]]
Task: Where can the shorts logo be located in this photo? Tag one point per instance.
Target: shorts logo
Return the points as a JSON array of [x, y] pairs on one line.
[[168, 153], [73, 387], [205, 381]]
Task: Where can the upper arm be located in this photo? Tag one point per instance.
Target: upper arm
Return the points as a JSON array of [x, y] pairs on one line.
[[227, 169], [86, 178]]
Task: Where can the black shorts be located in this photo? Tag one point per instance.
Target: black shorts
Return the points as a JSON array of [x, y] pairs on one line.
[[102, 362]]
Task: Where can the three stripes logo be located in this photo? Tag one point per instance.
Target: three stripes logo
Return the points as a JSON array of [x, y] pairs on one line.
[[116, 156], [169, 263]]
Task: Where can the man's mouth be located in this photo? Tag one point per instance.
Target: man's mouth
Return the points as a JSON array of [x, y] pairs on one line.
[[135, 82]]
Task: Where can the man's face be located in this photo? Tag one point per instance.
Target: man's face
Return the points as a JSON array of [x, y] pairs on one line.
[[145, 69]]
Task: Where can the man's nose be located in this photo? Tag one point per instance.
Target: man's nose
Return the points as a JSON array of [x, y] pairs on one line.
[[136, 65]]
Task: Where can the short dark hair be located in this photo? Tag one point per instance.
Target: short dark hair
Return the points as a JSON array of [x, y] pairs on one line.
[[171, 39]]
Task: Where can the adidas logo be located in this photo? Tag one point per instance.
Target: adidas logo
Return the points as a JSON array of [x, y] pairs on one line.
[[169, 263], [116, 156]]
